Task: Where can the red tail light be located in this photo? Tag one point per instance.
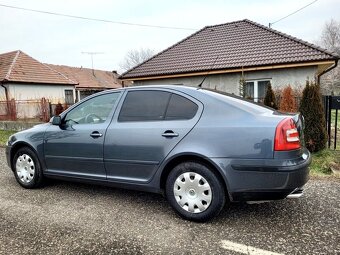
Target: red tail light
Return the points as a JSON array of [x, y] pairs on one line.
[[286, 136]]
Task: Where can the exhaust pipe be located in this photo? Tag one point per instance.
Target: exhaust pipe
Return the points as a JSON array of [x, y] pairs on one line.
[[297, 193]]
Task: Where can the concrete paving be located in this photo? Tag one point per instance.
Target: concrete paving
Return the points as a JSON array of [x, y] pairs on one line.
[[70, 218]]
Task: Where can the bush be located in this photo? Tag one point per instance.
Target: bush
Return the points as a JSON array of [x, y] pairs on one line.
[[287, 102], [270, 99], [315, 124]]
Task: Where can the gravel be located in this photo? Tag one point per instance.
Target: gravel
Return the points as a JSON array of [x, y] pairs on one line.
[[71, 218]]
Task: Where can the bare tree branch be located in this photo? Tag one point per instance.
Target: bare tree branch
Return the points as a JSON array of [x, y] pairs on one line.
[[330, 39], [135, 57]]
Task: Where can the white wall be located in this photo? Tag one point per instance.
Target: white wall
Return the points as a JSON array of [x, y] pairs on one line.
[[229, 82], [54, 93]]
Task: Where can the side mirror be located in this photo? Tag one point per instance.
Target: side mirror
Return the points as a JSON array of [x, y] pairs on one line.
[[56, 120]]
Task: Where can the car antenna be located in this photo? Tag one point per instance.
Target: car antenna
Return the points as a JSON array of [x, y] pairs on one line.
[[212, 66]]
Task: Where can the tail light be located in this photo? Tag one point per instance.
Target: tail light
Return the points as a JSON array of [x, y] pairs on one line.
[[286, 136]]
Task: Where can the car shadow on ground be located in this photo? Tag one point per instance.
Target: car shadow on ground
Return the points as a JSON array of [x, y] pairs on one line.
[[158, 203]]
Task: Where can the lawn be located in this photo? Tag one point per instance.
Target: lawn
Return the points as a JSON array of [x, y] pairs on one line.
[[321, 160], [4, 134]]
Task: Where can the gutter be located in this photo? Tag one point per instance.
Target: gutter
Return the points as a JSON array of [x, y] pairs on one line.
[[327, 70]]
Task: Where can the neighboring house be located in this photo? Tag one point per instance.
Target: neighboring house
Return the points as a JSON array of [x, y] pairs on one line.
[[228, 53], [24, 78], [28, 86], [89, 81]]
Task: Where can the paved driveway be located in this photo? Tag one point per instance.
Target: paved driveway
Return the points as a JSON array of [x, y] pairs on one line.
[[67, 218]]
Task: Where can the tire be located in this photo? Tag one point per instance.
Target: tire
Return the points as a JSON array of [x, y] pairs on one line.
[[27, 169], [195, 192]]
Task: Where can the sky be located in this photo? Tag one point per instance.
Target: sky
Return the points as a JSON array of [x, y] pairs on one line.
[[63, 41]]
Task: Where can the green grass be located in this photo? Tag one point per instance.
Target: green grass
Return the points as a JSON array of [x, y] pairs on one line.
[[321, 162], [4, 134]]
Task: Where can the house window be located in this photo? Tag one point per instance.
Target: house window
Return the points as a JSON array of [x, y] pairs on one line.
[[69, 96], [256, 89]]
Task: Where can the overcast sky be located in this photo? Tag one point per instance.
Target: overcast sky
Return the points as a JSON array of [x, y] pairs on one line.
[[61, 40]]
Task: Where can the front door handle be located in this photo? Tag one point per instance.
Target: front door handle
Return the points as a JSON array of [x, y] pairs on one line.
[[96, 134], [169, 133]]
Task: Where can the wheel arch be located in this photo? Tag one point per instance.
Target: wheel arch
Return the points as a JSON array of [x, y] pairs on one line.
[[173, 162], [17, 146]]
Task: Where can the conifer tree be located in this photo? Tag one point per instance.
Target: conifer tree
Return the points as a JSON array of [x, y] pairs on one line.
[[287, 102], [315, 125], [270, 99]]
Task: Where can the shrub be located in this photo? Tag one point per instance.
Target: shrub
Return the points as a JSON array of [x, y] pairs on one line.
[[58, 109], [287, 102], [315, 125], [270, 99]]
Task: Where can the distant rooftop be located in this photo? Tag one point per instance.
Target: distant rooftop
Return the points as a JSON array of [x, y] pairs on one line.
[[238, 44], [88, 78], [17, 66]]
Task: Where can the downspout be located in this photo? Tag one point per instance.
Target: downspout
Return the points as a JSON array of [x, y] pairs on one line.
[[6, 94], [327, 70], [6, 90]]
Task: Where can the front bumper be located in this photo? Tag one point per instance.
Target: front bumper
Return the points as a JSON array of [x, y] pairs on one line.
[[8, 156], [265, 179]]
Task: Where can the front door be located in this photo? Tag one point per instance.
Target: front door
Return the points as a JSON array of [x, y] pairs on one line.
[[75, 148]]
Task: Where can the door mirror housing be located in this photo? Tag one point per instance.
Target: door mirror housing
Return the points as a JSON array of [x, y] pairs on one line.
[[56, 120]]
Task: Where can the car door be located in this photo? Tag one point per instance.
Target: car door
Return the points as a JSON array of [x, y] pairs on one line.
[[75, 148], [148, 126]]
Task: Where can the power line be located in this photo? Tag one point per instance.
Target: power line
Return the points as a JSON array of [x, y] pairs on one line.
[[272, 23], [94, 19]]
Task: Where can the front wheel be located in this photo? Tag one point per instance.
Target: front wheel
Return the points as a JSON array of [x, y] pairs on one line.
[[27, 169], [195, 192]]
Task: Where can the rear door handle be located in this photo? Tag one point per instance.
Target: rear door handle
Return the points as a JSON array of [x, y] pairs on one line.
[[96, 134], [169, 133]]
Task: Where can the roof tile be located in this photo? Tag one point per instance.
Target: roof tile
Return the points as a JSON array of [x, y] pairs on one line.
[[16, 66], [232, 45]]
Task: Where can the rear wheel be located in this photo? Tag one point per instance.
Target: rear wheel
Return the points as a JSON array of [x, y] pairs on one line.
[[27, 169], [195, 192]]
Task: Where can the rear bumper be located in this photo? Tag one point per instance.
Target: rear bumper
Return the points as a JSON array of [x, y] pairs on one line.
[[272, 179]]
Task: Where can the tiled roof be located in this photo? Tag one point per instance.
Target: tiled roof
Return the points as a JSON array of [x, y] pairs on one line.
[[16, 66], [232, 45], [88, 78]]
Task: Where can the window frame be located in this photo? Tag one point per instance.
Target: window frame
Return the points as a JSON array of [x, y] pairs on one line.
[[256, 87], [68, 96]]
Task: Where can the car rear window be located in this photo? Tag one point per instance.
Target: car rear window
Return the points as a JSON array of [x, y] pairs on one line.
[[242, 103]]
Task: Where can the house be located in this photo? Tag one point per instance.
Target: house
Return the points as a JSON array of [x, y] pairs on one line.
[[237, 51], [25, 78], [29, 86], [89, 81]]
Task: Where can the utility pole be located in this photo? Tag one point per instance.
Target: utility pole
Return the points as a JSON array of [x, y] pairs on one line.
[[91, 54]]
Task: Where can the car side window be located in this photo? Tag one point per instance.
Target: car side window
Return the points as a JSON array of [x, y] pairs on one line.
[[144, 106], [180, 108], [156, 106], [95, 110]]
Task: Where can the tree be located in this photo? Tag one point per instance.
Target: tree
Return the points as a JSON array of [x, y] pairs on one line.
[[330, 36], [287, 102], [270, 99], [330, 39], [135, 57], [315, 124]]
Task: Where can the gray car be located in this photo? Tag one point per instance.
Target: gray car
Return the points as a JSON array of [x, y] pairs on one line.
[[200, 148]]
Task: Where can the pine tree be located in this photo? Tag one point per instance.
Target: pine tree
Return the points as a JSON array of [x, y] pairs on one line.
[[287, 103], [315, 125], [270, 99]]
